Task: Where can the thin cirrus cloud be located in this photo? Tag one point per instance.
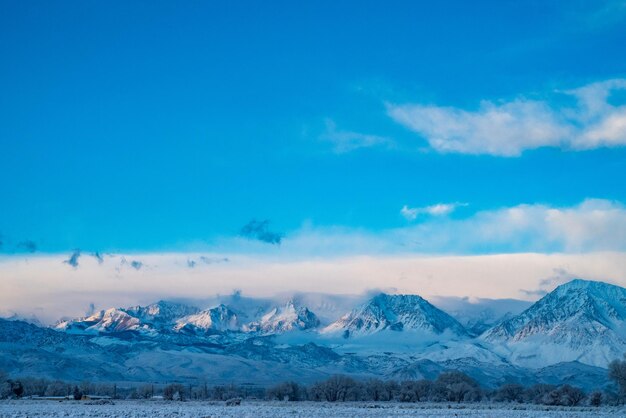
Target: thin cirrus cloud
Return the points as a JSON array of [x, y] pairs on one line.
[[507, 129], [346, 141], [439, 209]]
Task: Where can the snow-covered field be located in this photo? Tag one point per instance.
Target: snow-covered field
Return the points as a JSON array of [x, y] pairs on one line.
[[154, 409]]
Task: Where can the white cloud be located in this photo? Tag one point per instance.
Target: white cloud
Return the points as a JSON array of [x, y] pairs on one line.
[[493, 253], [346, 141], [592, 225], [409, 213], [44, 286], [509, 128], [440, 209]]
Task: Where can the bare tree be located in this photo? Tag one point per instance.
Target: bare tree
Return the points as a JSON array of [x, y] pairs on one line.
[[288, 391], [145, 391], [510, 392], [174, 392], [595, 398], [415, 390], [58, 388], [459, 387], [571, 396], [337, 388], [617, 373]]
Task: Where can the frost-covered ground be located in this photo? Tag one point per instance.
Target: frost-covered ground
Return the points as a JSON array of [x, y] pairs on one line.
[[155, 409]]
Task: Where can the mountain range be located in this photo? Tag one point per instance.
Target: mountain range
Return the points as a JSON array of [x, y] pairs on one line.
[[568, 336]]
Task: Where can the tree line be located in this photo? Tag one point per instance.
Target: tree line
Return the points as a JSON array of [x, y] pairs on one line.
[[451, 386]]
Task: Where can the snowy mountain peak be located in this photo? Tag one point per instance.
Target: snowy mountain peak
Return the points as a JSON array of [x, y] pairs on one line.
[[288, 317], [577, 300], [109, 320], [579, 320], [219, 318], [162, 311], [151, 318], [395, 313]]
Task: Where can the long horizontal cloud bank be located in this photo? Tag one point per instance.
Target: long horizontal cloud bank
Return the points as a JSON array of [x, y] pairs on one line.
[[592, 225], [509, 128], [518, 251], [47, 288]]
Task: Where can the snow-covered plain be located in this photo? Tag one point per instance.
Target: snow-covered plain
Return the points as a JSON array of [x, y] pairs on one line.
[[155, 409]]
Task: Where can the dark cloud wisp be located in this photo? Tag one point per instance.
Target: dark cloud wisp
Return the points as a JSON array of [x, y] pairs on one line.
[[98, 257], [259, 230], [28, 245], [73, 260]]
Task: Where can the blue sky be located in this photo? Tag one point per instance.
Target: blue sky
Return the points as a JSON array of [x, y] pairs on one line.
[[156, 126], [467, 149]]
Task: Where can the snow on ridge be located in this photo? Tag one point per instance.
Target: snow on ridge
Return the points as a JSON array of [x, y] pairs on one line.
[[395, 313], [579, 320], [285, 318], [219, 318]]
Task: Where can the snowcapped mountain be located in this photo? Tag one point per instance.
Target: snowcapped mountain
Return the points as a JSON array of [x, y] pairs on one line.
[[220, 318], [109, 320], [578, 321], [283, 319], [163, 318], [153, 318], [28, 350], [567, 336], [162, 312], [395, 313]]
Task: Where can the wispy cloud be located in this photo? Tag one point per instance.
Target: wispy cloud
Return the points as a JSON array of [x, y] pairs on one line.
[[192, 263], [346, 141], [73, 260], [592, 225], [98, 257], [259, 230], [91, 309], [439, 209], [27, 245], [546, 285], [214, 260], [509, 128], [134, 264]]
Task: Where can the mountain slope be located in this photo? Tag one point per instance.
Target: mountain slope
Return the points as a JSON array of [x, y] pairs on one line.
[[579, 321], [162, 313], [29, 350], [219, 318], [154, 318], [478, 315], [109, 320], [285, 318], [395, 313]]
